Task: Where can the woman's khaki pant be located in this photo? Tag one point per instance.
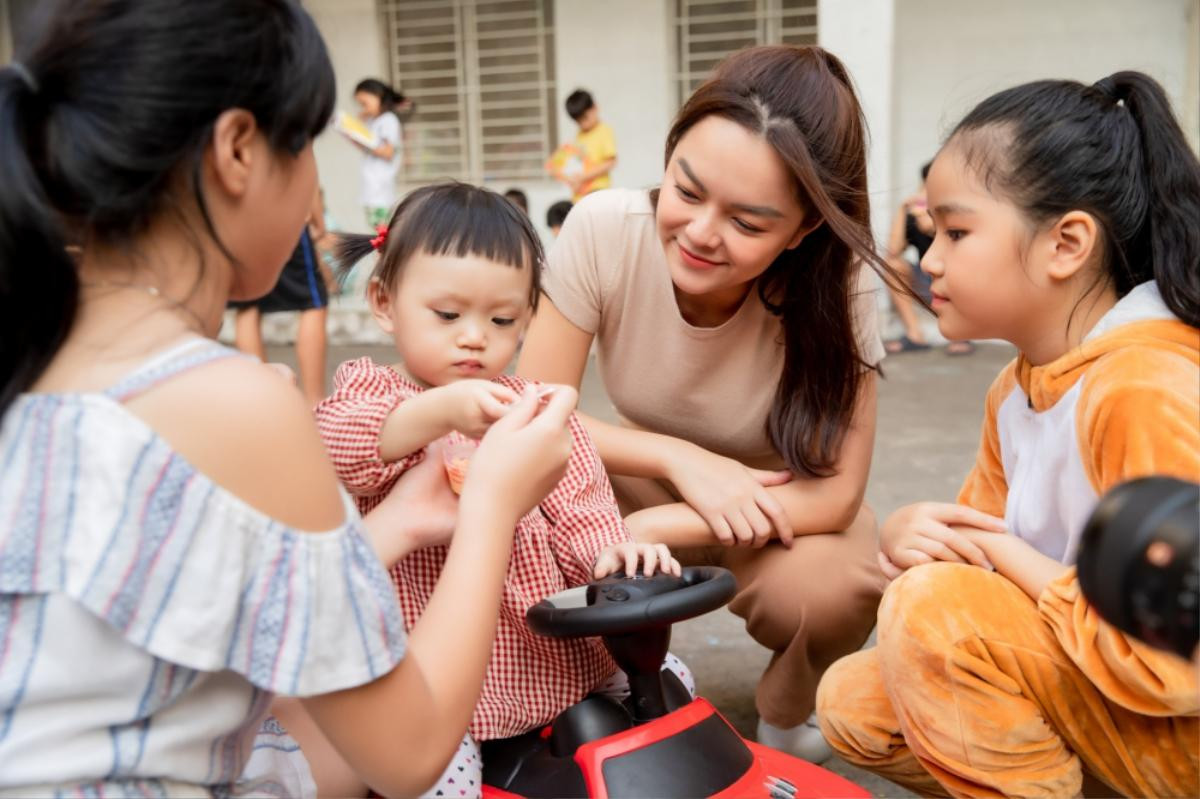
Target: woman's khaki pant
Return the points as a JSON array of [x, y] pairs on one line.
[[809, 605], [970, 694]]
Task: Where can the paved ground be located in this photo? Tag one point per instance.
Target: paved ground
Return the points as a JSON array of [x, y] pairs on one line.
[[930, 409]]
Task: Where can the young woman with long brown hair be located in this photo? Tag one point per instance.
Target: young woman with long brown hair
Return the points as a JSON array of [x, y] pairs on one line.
[[740, 348]]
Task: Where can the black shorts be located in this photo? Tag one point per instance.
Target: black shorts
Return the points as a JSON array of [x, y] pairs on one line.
[[300, 286]]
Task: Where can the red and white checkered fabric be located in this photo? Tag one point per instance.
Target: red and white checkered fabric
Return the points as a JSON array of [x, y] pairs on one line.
[[530, 679]]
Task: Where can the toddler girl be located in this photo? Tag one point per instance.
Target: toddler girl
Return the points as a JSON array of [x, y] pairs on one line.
[[455, 284]]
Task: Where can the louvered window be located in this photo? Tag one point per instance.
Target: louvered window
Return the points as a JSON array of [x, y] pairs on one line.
[[709, 30], [482, 75]]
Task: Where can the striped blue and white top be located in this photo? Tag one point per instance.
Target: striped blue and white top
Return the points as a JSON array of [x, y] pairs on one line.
[[147, 616]]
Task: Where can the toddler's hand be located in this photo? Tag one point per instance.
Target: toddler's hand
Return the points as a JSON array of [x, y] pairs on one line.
[[523, 455], [612, 558], [921, 533], [472, 406]]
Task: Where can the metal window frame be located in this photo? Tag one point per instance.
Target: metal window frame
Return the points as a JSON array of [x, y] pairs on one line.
[[769, 28], [475, 47]]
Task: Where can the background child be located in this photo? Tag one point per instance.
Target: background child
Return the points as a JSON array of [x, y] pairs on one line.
[[377, 105], [556, 214], [595, 141], [1065, 223], [455, 285], [158, 582]]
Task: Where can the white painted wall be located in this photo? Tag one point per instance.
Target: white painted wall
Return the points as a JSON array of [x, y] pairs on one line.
[[951, 55], [6, 43], [860, 33], [622, 52], [352, 36]]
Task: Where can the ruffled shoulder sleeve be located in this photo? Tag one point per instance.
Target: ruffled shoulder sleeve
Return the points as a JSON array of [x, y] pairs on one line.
[[187, 571]]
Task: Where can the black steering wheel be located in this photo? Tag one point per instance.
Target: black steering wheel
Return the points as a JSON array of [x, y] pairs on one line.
[[618, 605]]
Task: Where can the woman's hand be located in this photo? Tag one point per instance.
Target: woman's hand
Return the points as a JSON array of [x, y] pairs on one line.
[[524, 454], [730, 497], [922, 533], [612, 558], [420, 511], [472, 406]]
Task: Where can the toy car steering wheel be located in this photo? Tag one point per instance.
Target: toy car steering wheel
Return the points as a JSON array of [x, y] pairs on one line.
[[618, 605]]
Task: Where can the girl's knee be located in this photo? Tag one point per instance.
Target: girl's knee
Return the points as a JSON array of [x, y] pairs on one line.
[[853, 709], [924, 597]]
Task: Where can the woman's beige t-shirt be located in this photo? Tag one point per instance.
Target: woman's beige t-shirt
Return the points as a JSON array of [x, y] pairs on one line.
[[713, 386]]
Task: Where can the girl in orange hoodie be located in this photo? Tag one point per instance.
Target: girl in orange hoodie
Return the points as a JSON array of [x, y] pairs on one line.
[[1067, 222]]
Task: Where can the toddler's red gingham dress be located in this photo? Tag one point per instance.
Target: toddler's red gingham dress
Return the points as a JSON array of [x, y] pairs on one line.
[[530, 679]]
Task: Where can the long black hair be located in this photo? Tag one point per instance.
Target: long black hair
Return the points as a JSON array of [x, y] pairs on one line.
[[449, 218], [1113, 150], [109, 107]]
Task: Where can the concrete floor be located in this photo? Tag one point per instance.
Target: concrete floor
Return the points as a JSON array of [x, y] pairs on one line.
[[930, 410]]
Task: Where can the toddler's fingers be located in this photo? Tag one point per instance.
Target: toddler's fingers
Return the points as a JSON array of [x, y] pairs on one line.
[[493, 408], [649, 559], [605, 564], [519, 413], [666, 563], [503, 393], [630, 554]]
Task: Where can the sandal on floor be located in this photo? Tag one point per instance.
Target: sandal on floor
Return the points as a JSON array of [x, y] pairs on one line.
[[958, 348], [903, 344]]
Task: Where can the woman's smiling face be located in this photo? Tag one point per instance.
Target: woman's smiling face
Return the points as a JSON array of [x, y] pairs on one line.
[[726, 210]]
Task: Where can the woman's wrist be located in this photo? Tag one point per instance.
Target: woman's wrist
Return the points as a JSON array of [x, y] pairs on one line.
[[671, 456]]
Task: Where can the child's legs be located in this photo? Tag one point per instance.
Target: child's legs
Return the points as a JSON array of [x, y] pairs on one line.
[[992, 706], [857, 720], [908, 315], [616, 684], [463, 778], [310, 353], [247, 332]]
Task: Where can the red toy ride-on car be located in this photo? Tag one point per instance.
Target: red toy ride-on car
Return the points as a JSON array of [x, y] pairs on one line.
[[659, 742]]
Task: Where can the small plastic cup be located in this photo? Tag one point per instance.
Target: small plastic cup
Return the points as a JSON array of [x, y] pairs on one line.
[[457, 458]]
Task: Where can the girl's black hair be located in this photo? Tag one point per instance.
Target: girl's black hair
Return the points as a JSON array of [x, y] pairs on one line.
[[449, 219], [1113, 150], [109, 109], [389, 98]]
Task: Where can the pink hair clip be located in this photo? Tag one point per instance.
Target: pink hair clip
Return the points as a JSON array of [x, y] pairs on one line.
[[380, 239]]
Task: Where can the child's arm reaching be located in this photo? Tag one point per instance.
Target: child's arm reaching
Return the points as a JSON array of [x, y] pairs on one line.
[[626, 557], [468, 406], [375, 430]]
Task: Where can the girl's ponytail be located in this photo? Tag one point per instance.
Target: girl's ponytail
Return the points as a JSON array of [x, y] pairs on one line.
[[1172, 179], [39, 290]]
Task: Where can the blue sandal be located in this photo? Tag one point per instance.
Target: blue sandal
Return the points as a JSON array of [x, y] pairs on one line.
[[903, 344]]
